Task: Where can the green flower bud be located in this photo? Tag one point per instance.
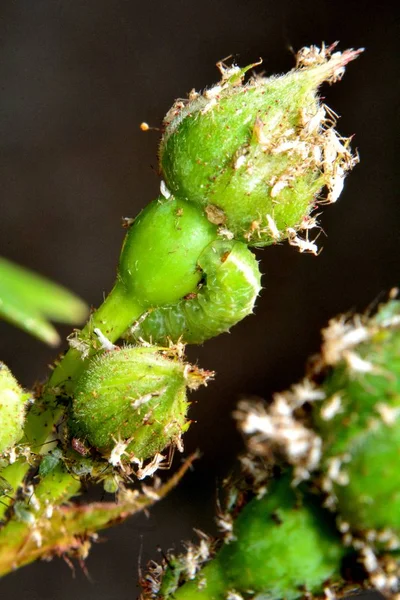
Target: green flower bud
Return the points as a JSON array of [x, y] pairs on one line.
[[281, 546], [158, 262], [255, 156], [13, 402], [350, 431], [131, 403], [359, 421]]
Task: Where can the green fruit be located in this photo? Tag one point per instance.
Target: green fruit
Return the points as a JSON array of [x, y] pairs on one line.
[[359, 421], [282, 545], [158, 263], [255, 156], [131, 403], [13, 402]]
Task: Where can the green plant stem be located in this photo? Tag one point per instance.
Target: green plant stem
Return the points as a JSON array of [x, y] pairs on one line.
[[69, 527], [113, 317]]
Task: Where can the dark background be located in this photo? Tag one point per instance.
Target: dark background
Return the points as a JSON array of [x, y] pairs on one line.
[[77, 78]]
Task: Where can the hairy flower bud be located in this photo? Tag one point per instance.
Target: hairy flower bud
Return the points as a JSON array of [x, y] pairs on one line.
[[349, 431], [359, 421], [13, 401], [255, 156], [131, 403]]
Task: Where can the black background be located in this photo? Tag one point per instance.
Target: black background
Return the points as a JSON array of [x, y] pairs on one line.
[[77, 78]]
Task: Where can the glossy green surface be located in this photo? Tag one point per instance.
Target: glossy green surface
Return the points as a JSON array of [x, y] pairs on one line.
[[158, 262], [282, 546]]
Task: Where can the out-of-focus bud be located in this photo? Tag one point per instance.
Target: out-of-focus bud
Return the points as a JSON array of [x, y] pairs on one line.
[[131, 403], [13, 402], [256, 155], [359, 422], [279, 545], [350, 430]]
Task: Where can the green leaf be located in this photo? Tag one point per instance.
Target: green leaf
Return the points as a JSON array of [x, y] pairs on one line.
[[28, 300]]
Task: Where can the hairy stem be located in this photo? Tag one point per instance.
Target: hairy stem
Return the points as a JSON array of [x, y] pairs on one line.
[[62, 530], [113, 317]]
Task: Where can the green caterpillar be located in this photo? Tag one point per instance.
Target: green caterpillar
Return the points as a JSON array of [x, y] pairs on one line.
[[230, 285]]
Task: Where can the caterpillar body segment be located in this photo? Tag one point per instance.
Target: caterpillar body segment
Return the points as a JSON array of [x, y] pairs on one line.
[[227, 293]]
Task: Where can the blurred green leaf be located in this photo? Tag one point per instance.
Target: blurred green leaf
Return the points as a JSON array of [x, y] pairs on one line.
[[28, 300]]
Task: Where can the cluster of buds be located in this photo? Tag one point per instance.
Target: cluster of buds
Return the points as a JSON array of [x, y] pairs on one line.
[[342, 425], [243, 164]]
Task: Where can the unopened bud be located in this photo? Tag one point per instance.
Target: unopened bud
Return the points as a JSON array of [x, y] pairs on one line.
[[257, 155], [359, 421], [13, 401], [131, 403]]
